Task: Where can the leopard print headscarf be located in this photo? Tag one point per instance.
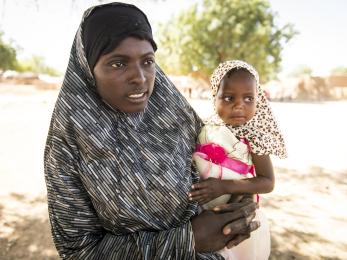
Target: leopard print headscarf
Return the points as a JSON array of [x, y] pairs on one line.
[[262, 130]]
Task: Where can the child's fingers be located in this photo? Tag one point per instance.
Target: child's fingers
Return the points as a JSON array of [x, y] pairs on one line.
[[196, 193], [198, 198], [200, 185]]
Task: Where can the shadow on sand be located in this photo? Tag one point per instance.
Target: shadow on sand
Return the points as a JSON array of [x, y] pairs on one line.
[[298, 237], [25, 236], [315, 184], [29, 235]]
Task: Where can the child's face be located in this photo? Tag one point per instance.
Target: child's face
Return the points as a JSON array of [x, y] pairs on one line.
[[235, 99]]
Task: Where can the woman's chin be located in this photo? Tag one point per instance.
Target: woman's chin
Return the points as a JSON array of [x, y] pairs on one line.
[[135, 108]]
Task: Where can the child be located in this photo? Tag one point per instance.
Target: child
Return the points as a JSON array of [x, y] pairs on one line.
[[233, 149]]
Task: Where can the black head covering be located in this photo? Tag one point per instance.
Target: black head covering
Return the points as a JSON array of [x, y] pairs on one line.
[[105, 28]]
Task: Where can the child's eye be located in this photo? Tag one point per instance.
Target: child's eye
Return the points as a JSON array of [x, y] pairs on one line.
[[249, 99], [118, 64], [228, 99]]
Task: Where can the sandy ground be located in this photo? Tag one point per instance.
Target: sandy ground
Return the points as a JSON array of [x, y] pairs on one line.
[[306, 210]]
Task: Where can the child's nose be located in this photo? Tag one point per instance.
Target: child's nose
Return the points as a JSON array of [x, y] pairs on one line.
[[238, 103]]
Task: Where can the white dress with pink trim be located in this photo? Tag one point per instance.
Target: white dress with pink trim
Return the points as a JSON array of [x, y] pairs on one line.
[[220, 154]]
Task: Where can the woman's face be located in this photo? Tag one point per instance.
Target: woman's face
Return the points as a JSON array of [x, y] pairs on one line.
[[235, 99], [125, 76]]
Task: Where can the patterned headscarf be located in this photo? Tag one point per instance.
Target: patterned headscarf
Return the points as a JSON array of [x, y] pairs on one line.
[[117, 183], [262, 130]]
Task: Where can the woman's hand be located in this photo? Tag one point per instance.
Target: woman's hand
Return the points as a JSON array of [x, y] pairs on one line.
[[227, 225], [206, 190]]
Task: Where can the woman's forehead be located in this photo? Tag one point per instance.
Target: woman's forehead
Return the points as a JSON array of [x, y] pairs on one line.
[[130, 47]]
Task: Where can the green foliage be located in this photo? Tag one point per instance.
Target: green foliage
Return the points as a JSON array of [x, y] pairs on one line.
[[8, 60], [339, 71], [199, 38], [36, 64], [301, 70], [8, 55]]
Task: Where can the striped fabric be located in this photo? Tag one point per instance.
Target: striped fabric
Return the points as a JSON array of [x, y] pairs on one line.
[[117, 183]]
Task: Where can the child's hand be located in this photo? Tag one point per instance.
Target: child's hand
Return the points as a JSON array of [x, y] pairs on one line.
[[206, 190]]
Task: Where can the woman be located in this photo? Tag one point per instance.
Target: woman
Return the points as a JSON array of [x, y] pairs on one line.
[[118, 153]]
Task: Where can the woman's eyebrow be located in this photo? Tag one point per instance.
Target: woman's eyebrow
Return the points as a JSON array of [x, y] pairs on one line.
[[119, 56], [125, 56]]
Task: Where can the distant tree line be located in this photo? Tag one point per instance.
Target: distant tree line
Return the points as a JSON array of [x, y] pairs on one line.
[[8, 55], [9, 61]]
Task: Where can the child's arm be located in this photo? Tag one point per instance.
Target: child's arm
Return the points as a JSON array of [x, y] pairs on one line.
[[264, 182], [212, 188]]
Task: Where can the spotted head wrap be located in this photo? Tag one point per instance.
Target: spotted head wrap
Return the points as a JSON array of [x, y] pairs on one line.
[[262, 130]]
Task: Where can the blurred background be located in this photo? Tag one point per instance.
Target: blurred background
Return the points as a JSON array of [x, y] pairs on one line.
[[299, 50]]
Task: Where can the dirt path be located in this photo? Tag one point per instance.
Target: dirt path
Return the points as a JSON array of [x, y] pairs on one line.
[[306, 210]]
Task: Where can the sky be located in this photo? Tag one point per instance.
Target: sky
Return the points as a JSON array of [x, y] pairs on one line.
[[47, 28]]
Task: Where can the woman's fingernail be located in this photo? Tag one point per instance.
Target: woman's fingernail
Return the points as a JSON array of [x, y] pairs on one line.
[[216, 209], [192, 186], [227, 232]]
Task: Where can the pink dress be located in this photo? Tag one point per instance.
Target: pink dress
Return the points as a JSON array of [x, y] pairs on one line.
[[221, 155]]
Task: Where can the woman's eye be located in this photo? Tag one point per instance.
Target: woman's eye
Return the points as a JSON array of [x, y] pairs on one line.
[[149, 61], [118, 64], [249, 99]]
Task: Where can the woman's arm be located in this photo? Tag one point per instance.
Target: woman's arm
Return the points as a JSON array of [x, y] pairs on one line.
[[78, 233]]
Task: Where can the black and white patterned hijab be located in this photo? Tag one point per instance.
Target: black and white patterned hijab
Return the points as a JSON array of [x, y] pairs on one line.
[[262, 130], [141, 160]]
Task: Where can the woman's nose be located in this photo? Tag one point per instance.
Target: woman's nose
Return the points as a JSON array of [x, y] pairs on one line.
[[137, 75]]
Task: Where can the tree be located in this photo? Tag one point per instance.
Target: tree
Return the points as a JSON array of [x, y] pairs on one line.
[[199, 38], [8, 55], [301, 70], [339, 71], [36, 64]]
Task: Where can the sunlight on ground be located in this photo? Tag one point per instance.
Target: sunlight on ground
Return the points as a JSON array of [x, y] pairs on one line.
[[306, 210]]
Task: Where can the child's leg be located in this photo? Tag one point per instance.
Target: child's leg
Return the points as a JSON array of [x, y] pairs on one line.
[[258, 246], [262, 237], [227, 254]]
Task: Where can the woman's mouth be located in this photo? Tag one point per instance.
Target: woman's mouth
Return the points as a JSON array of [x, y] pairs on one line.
[[140, 95], [137, 97]]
